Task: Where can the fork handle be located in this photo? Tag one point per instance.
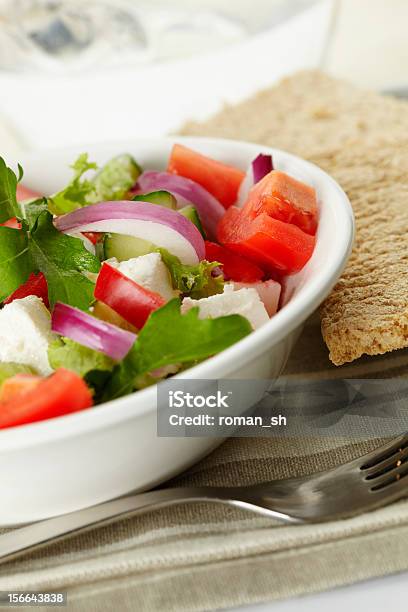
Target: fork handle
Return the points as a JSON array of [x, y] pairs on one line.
[[25, 539]]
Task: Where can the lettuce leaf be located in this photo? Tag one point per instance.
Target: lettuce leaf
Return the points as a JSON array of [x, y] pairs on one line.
[[170, 337], [9, 369], [93, 366], [9, 206], [79, 191], [32, 209], [64, 261], [15, 263], [112, 182], [195, 281], [116, 178]]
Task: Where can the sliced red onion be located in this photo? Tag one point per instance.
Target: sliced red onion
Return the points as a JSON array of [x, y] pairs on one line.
[[164, 227], [91, 332], [261, 166], [185, 191]]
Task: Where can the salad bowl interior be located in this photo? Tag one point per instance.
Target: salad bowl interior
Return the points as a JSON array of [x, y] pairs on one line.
[[78, 460]]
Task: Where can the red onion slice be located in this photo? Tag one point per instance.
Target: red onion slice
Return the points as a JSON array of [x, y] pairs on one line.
[[185, 191], [91, 332], [164, 227], [261, 166]]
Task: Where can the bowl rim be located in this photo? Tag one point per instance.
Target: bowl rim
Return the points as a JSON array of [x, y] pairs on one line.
[[294, 313]]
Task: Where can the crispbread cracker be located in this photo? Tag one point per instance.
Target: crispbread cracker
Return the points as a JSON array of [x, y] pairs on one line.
[[361, 138]]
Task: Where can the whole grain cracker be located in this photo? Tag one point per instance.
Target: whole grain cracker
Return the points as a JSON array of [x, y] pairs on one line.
[[361, 138]]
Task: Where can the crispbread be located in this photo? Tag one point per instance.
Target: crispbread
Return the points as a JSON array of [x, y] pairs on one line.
[[361, 138]]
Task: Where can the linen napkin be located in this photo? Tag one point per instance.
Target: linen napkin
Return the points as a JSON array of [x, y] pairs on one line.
[[205, 557]]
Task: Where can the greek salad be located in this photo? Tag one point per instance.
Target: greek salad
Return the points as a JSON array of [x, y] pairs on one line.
[[128, 275]]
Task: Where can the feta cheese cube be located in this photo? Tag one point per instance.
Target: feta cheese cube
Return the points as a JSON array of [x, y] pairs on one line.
[[148, 271], [269, 291], [245, 302], [25, 333]]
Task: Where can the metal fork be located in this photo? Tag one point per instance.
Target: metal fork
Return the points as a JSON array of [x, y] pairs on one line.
[[370, 482]]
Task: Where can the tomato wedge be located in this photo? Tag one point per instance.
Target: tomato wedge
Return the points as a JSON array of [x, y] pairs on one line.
[[18, 385], [284, 198], [24, 193], [36, 284], [94, 237], [61, 393], [221, 180], [105, 313], [13, 223], [271, 244], [129, 299], [234, 266]]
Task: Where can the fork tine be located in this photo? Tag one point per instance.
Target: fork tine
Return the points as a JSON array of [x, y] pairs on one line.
[[386, 466], [393, 491], [383, 453], [397, 475]]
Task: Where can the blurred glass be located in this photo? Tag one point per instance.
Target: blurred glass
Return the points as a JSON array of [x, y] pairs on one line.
[[54, 35]]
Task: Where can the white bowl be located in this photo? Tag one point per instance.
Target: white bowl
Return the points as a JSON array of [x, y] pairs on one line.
[[71, 462]]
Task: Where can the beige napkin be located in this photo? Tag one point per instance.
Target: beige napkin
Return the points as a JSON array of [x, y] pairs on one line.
[[205, 557]]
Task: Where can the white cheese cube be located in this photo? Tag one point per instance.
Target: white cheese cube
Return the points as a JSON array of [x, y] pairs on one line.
[[148, 271], [269, 291], [245, 302], [25, 333]]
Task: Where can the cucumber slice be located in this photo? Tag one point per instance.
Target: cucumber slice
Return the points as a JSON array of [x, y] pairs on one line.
[[190, 212], [126, 247], [116, 177], [163, 198]]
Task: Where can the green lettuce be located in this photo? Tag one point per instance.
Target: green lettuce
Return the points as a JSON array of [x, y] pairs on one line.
[[31, 210], [93, 366], [196, 281], [9, 206], [15, 262], [170, 337], [7, 370], [64, 261], [116, 177], [112, 182], [79, 191]]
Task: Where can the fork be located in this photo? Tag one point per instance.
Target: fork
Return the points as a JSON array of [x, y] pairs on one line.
[[364, 484]]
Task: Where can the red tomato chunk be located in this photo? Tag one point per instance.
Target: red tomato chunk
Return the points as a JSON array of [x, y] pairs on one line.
[[36, 284], [270, 243], [234, 266], [129, 299], [61, 393], [13, 223], [24, 193], [284, 198], [221, 180]]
